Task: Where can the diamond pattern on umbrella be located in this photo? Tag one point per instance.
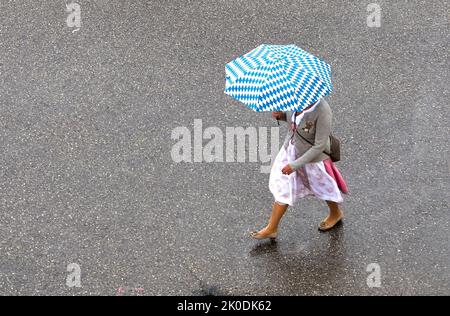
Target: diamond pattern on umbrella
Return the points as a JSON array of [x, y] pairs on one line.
[[278, 78]]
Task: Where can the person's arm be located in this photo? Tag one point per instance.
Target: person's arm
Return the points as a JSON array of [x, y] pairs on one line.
[[323, 132]]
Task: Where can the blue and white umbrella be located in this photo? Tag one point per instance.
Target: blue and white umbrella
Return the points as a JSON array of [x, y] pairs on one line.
[[278, 78]]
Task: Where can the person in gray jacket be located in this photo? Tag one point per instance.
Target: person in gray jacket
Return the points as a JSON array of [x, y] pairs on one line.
[[303, 168]]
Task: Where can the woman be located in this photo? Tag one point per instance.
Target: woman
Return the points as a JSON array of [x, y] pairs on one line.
[[302, 169]]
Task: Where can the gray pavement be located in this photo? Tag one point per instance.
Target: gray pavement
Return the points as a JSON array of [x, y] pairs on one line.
[[86, 174]]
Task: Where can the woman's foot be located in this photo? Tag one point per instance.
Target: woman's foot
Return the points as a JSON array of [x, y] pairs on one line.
[[331, 221], [264, 234]]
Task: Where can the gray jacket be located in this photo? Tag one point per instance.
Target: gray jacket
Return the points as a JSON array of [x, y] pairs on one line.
[[315, 127]]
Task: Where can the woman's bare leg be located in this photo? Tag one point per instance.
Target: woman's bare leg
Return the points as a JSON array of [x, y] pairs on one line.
[[278, 211], [336, 215]]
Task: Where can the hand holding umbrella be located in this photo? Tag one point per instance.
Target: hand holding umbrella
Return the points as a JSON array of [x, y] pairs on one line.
[[278, 115]]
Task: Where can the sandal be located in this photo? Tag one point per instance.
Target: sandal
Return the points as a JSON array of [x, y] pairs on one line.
[[255, 234]]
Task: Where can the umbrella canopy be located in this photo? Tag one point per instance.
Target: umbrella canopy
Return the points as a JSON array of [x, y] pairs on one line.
[[278, 78]]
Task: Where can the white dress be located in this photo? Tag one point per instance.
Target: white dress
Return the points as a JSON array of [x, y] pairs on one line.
[[311, 179]]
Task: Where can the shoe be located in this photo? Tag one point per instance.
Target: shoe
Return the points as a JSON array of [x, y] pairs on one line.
[[255, 235], [323, 227]]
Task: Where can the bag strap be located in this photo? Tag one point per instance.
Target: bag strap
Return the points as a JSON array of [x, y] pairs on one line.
[[312, 144]]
